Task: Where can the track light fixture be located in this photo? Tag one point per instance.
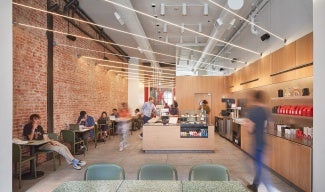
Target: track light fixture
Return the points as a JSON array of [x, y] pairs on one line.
[[165, 28], [119, 18], [205, 9], [184, 11], [162, 9]]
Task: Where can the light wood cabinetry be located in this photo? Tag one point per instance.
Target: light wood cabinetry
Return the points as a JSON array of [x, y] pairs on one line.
[[304, 50], [246, 140], [289, 159], [164, 137], [284, 58]]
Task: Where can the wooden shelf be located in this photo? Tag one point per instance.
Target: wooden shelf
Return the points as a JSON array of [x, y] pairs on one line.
[[293, 116], [292, 98]]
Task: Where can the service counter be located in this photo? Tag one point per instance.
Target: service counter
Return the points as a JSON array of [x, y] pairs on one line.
[[191, 137]]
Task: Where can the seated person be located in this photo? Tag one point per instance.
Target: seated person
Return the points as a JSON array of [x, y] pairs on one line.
[[88, 122], [103, 121], [33, 130], [137, 119], [173, 110], [114, 123]]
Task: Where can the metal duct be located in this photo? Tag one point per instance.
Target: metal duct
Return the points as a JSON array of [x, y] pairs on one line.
[[219, 29], [134, 26]]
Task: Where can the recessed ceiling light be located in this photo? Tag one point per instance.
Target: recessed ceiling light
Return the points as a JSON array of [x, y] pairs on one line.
[[235, 4]]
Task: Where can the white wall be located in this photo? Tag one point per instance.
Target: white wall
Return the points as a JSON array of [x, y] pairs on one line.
[[319, 96], [135, 88], [6, 95]]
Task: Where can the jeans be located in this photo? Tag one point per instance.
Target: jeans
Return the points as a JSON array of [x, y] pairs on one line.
[[259, 175]]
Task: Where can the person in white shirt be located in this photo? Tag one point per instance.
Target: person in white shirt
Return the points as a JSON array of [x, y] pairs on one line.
[[147, 109]]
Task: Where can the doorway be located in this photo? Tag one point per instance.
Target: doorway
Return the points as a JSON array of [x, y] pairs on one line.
[[203, 96]]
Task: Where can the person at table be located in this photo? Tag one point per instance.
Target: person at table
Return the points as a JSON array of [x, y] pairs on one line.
[[173, 110], [205, 106], [34, 131], [116, 115], [147, 109], [166, 106], [138, 118], [88, 122], [124, 124], [255, 122], [103, 121]]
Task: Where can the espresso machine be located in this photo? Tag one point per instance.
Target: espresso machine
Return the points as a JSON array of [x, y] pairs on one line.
[[228, 102]]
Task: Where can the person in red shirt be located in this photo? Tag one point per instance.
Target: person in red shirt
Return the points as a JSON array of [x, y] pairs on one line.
[[124, 124]]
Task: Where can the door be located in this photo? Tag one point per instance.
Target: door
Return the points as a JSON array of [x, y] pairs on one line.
[[203, 96]]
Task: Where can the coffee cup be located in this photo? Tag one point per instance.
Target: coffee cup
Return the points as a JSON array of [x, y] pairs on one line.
[[45, 137]]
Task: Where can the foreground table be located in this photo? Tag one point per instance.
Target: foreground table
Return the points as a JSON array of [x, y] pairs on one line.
[[33, 144], [150, 186]]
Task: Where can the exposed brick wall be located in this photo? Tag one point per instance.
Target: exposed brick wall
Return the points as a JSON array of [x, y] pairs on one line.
[[79, 84]]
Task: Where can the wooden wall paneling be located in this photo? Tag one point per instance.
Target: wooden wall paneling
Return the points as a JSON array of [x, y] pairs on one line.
[[284, 58], [300, 166], [304, 50], [291, 75], [186, 87], [264, 71], [304, 72]]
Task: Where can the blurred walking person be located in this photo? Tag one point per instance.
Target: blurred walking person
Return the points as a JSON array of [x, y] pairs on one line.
[[124, 124], [256, 122]]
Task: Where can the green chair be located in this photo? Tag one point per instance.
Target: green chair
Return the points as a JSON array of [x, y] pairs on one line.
[[69, 136], [157, 171], [17, 157], [98, 133], [104, 171], [209, 172]]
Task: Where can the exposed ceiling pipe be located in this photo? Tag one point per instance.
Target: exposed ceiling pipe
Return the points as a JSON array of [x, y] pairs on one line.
[[252, 14], [134, 26], [253, 28], [217, 32]]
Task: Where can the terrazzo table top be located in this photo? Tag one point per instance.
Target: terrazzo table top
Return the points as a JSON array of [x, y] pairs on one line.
[[150, 186]]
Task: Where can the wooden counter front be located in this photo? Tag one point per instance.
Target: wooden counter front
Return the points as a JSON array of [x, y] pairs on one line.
[[166, 138]]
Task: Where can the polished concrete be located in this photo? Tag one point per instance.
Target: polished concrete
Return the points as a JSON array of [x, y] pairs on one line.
[[239, 164]]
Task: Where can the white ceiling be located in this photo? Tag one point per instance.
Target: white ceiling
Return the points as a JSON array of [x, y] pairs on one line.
[[289, 19]]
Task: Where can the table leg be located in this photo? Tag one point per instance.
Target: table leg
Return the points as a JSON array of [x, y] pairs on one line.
[[31, 174]]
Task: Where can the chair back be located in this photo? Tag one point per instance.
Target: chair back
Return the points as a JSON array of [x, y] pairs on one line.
[[16, 152], [68, 136], [157, 171], [104, 171], [53, 136], [209, 172]]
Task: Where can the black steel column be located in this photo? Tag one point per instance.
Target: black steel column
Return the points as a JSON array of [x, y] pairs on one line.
[[50, 119]]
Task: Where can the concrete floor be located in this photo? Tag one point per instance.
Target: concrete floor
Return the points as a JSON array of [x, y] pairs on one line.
[[239, 164]]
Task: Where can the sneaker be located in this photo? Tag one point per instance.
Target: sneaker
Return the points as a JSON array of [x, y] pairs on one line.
[[121, 149], [252, 187], [84, 148], [125, 146], [81, 163], [76, 166]]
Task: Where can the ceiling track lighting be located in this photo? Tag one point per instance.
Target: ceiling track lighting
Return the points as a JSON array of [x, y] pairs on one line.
[[139, 49], [184, 9], [200, 28], [86, 38], [165, 28], [219, 21], [118, 18], [147, 15], [162, 9], [205, 9], [182, 28]]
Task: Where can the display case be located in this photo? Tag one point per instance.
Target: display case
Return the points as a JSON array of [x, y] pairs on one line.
[[194, 131], [193, 117]]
